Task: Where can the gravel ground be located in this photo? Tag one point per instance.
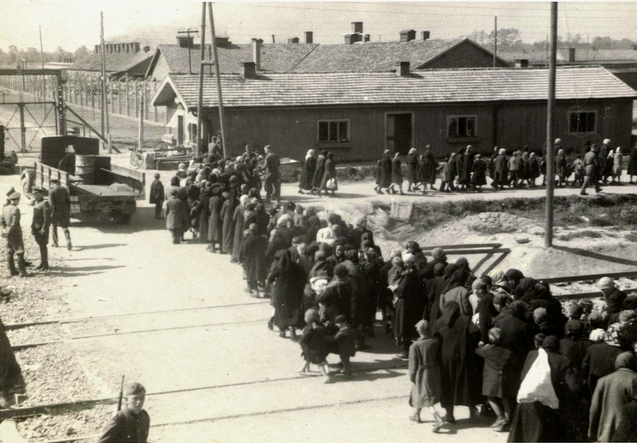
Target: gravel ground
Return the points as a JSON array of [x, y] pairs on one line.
[[66, 422], [36, 334]]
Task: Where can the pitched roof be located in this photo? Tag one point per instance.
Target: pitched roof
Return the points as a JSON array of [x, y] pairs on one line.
[[581, 55], [277, 57], [374, 56], [115, 61], [477, 85]]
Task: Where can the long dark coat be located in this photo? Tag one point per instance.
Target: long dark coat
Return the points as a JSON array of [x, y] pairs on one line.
[[430, 168], [632, 162], [396, 171], [227, 211], [498, 376], [450, 171], [500, 169], [177, 214], [434, 291], [330, 173], [157, 192], [479, 176], [424, 373], [467, 167], [459, 159], [204, 214], [385, 172], [253, 257], [338, 299], [410, 305], [215, 222], [599, 362], [10, 372], [412, 165], [289, 281], [461, 368], [237, 220], [575, 350], [319, 171], [307, 175], [535, 422]]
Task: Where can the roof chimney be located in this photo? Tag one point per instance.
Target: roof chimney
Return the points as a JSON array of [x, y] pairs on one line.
[[256, 53], [424, 35], [407, 35], [146, 48], [402, 69], [248, 70], [222, 42], [571, 55], [357, 27], [309, 37], [293, 40], [185, 41], [521, 62]]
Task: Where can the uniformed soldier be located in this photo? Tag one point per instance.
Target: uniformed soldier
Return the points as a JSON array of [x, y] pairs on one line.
[[40, 226], [131, 424], [60, 212], [11, 229]]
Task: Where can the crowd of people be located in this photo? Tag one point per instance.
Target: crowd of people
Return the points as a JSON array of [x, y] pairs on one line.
[[499, 342], [466, 170]]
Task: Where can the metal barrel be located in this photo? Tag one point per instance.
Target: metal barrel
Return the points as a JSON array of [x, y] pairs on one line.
[[85, 168]]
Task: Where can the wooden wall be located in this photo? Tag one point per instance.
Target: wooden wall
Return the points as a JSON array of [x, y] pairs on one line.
[[293, 131]]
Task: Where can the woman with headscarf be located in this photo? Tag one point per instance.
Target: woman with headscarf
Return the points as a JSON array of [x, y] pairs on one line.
[[227, 211], [454, 290], [449, 173], [576, 343], [338, 298], [204, 211], [632, 164], [611, 394], [384, 181], [396, 175], [410, 305], [421, 178], [437, 256], [413, 248], [617, 166], [547, 418], [431, 165], [238, 220], [461, 368], [463, 263], [459, 159], [467, 167], [517, 333], [513, 276], [433, 289], [500, 171], [479, 173], [288, 279], [600, 357], [252, 258], [307, 174], [412, 166], [339, 254], [319, 172], [215, 222], [329, 182]]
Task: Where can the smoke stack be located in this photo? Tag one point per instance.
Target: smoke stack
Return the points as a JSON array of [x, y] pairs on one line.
[[407, 35], [357, 27], [424, 35], [309, 37], [256, 53], [293, 40], [522, 63], [248, 70], [185, 41], [146, 48]]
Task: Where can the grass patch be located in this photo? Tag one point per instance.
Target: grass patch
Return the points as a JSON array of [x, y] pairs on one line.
[[572, 235]]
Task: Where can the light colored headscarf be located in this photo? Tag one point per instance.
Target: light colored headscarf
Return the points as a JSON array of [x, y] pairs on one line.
[[502, 151], [612, 337], [412, 151], [437, 253], [243, 199], [310, 153]]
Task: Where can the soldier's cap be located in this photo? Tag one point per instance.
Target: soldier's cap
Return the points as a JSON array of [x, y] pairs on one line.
[[14, 195], [134, 388], [11, 191], [40, 190]]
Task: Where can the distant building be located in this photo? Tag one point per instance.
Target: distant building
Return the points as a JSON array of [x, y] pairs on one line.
[[357, 115], [121, 60]]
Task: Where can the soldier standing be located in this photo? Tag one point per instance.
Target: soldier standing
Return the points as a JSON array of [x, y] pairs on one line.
[[131, 424], [40, 226], [60, 212], [11, 229]]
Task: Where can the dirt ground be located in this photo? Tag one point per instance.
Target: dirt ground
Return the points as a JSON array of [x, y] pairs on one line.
[[196, 331]]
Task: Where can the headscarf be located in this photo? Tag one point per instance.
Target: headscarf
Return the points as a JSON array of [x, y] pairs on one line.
[[496, 275], [525, 289], [626, 360], [284, 258], [514, 274], [455, 279], [438, 253], [575, 311], [412, 151], [463, 263], [310, 153], [538, 339], [612, 337], [551, 343], [243, 199], [519, 309], [605, 283], [439, 269], [450, 313], [576, 329]]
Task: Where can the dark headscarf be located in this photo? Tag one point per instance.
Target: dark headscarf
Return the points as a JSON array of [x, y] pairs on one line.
[[368, 236], [551, 344], [457, 278], [450, 313], [174, 181], [514, 274], [284, 258], [519, 309], [525, 289], [463, 263], [576, 330]]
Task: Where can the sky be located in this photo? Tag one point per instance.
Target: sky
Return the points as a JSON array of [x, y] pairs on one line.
[[72, 23]]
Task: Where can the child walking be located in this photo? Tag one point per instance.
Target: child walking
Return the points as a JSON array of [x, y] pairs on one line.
[[314, 345], [498, 378], [345, 343], [424, 374]]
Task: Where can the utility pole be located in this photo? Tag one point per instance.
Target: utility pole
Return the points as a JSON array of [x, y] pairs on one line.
[[550, 129], [201, 70], [224, 141], [44, 76], [103, 61], [495, 42], [189, 31]]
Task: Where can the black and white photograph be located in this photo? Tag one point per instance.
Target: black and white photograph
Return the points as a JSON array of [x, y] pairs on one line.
[[319, 221]]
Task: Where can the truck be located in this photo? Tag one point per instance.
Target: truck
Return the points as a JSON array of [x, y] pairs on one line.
[[96, 187]]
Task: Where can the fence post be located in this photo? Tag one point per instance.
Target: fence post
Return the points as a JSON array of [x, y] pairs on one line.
[[119, 97], [110, 94], [136, 98], [145, 100], [127, 98]]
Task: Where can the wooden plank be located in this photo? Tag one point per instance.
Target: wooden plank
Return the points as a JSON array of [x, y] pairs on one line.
[[580, 295], [473, 251], [470, 245], [493, 265], [576, 278]]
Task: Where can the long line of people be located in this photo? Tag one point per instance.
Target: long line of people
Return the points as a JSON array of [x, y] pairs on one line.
[[499, 339]]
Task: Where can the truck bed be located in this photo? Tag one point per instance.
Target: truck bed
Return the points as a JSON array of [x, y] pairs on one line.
[[104, 191]]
